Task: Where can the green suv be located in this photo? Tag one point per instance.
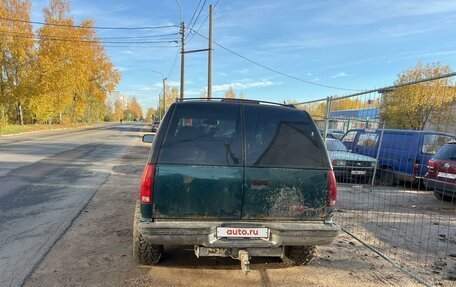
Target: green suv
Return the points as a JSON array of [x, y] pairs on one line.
[[236, 178]]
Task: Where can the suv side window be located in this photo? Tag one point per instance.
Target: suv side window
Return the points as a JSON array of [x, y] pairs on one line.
[[281, 138], [204, 134], [349, 137]]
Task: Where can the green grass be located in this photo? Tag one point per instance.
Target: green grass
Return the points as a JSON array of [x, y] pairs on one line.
[[17, 129]]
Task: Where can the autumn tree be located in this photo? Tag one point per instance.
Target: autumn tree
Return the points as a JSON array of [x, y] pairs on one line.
[[74, 72], [135, 108], [65, 74], [118, 110], [172, 93], [17, 58], [230, 93], [150, 115], [414, 106]]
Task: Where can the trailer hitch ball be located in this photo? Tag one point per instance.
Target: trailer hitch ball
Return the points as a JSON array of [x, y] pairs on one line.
[[243, 256]]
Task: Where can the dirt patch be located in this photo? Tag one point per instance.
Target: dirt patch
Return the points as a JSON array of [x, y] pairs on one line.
[[96, 251]]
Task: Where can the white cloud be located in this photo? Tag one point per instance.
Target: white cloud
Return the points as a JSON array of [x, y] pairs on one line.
[[340, 75], [159, 85], [242, 85]]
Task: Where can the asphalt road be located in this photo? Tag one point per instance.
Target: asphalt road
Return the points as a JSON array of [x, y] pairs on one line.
[[46, 179]]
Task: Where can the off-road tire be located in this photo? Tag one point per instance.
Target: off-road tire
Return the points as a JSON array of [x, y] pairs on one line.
[[144, 252], [299, 255]]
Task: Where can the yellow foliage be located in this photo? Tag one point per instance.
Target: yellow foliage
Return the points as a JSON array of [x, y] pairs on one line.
[[66, 73], [413, 106]]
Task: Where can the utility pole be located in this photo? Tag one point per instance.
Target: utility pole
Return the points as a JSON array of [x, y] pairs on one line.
[[158, 108], [182, 61], [209, 68], [164, 97]]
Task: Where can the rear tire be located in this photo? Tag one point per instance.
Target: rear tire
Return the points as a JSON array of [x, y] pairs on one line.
[[144, 252], [442, 196], [386, 177], [438, 195], [299, 255]]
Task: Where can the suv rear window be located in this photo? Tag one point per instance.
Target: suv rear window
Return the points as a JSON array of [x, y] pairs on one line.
[[204, 134], [447, 152], [281, 137]]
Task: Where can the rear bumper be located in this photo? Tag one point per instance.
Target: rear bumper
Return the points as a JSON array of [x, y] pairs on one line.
[[447, 187], [204, 233]]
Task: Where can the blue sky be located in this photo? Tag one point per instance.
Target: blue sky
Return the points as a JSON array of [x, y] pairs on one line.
[[359, 44]]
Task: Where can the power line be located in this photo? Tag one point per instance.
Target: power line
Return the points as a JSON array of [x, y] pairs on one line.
[[174, 63], [63, 39], [274, 70], [194, 12], [99, 38], [89, 27], [201, 25], [196, 19]]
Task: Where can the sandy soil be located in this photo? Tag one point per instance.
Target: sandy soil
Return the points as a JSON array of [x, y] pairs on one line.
[[96, 251]]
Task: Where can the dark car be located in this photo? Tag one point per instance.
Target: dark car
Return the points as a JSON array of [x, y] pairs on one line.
[[441, 173], [348, 166], [236, 179], [155, 126], [335, 134]]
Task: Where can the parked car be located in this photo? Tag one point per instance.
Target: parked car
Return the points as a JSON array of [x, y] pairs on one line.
[[236, 179], [155, 126], [348, 166], [403, 155], [333, 134], [441, 174]]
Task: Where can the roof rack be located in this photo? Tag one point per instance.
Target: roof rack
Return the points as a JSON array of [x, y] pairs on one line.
[[236, 101]]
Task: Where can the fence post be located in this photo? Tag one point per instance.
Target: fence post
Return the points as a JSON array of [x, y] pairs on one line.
[[328, 110], [378, 155]]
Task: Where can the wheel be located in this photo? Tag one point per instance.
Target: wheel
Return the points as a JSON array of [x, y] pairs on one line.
[[143, 251], [448, 196], [299, 255], [438, 195], [386, 177]]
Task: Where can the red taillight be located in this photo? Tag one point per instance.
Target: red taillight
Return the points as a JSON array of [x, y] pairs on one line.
[[332, 189], [415, 168], [431, 165], [147, 184]]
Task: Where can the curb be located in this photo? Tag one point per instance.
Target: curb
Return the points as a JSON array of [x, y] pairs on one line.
[[52, 130]]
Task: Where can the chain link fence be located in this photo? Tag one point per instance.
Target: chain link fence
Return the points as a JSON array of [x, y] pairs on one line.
[[393, 151]]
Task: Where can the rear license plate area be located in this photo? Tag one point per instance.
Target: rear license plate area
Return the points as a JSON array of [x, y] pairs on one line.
[[358, 172], [243, 232]]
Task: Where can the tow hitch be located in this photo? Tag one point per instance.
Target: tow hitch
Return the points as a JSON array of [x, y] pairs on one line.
[[243, 256]]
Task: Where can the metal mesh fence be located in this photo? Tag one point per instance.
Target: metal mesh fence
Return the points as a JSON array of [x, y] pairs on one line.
[[393, 151]]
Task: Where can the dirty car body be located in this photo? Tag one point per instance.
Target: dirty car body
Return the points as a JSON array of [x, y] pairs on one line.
[[239, 179]]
